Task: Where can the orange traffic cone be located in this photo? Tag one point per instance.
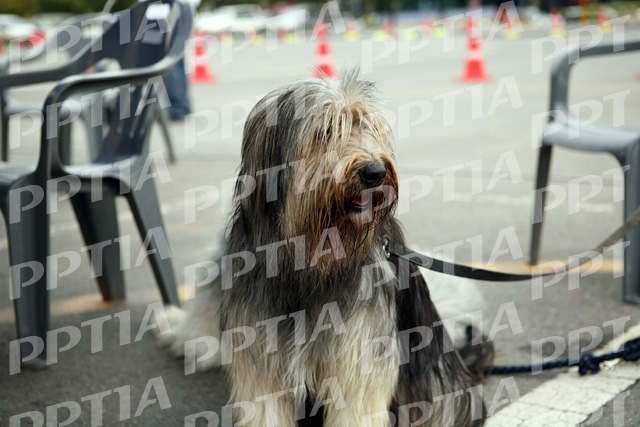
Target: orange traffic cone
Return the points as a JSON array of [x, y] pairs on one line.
[[351, 35], [201, 73], [387, 26], [508, 32], [474, 62], [602, 20], [557, 23], [602, 16], [324, 65], [427, 25]]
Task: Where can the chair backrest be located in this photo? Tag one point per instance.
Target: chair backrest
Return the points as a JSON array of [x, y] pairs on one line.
[[563, 63], [78, 31], [146, 49], [67, 40]]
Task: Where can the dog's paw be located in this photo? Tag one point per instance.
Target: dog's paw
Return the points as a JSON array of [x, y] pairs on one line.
[[171, 340], [175, 315], [189, 329]]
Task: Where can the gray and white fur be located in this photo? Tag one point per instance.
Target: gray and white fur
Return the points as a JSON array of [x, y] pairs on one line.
[[370, 361]]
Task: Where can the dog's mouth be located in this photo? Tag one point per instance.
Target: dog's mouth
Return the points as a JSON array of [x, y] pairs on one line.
[[360, 202]]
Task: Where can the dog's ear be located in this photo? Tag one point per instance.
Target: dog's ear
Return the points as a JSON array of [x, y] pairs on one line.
[[268, 141]]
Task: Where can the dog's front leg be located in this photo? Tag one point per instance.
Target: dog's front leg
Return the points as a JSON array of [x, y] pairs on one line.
[[366, 401], [260, 396]]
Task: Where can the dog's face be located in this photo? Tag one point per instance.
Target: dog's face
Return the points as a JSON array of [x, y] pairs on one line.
[[321, 154]]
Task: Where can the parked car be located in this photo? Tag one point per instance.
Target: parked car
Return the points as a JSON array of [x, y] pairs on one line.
[[49, 20], [534, 17], [14, 27], [291, 18], [241, 17]]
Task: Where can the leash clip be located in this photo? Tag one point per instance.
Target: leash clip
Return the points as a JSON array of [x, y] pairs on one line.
[[385, 248]]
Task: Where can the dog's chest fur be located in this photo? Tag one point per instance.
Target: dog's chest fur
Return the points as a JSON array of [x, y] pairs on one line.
[[342, 329]]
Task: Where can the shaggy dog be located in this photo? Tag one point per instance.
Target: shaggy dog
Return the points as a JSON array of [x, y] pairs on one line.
[[313, 324]]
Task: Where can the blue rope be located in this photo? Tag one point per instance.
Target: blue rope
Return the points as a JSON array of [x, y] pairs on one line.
[[630, 351]]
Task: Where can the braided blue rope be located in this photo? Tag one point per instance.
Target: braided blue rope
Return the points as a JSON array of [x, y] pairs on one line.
[[630, 351]]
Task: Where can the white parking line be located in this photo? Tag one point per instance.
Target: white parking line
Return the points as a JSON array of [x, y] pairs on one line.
[[569, 399]]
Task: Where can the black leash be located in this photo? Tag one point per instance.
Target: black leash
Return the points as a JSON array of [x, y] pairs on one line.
[[461, 270], [630, 351]]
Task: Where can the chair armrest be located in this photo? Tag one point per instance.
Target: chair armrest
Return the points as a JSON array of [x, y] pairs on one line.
[[41, 76], [90, 83], [562, 66], [106, 80]]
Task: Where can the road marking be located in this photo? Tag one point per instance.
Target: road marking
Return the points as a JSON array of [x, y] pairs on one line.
[[94, 302], [615, 265], [569, 399], [607, 265], [520, 200], [126, 216]]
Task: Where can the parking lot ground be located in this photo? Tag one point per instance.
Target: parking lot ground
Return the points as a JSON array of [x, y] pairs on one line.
[[490, 130]]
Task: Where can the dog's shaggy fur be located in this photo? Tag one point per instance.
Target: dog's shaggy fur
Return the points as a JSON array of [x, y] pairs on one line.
[[330, 330]]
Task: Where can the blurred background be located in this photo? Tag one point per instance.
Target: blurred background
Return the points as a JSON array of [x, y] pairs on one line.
[[20, 19]]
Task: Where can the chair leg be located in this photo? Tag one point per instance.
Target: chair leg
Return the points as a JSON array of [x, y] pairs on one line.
[[162, 121], [65, 143], [5, 137], [542, 179], [99, 224], [146, 210], [28, 241], [95, 132], [632, 252]]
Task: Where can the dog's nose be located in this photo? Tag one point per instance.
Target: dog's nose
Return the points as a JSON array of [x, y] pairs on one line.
[[372, 174]]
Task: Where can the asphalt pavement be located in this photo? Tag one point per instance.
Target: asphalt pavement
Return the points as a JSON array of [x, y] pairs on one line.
[[485, 137]]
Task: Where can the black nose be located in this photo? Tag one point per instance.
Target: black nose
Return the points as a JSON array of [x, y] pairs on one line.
[[372, 174]]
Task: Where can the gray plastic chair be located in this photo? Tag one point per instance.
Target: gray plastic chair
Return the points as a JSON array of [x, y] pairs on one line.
[[62, 40], [621, 142], [141, 59], [68, 40]]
